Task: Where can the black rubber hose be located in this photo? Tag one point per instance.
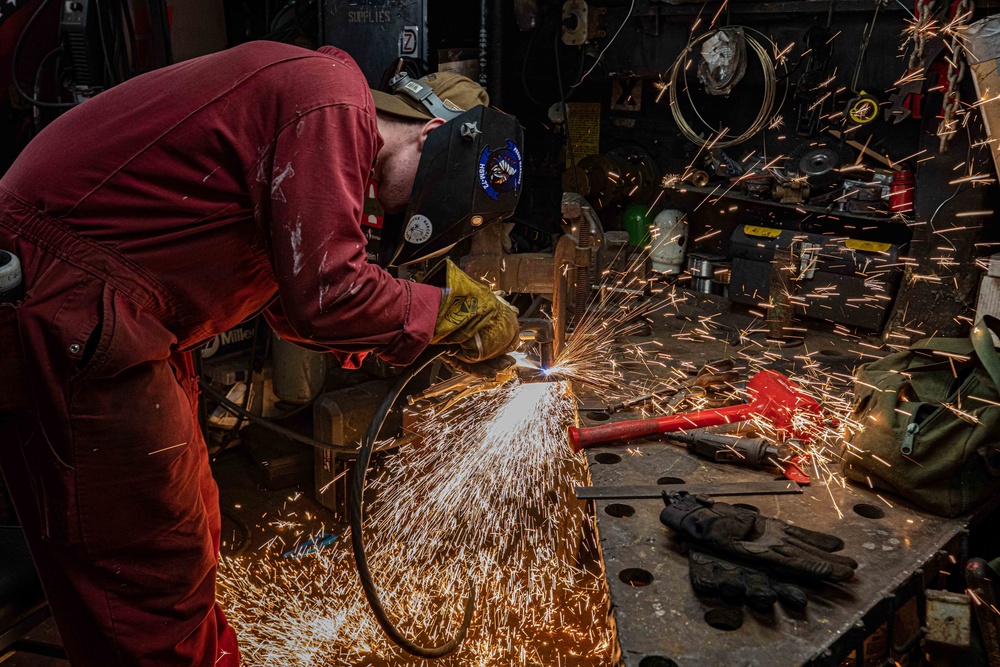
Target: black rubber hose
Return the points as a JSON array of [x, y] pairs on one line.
[[251, 371], [356, 506], [238, 549], [348, 452]]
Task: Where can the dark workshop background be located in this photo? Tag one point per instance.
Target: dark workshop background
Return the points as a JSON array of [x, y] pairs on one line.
[[518, 50], [528, 68]]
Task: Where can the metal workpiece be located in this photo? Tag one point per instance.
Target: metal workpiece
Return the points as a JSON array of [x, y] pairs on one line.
[[565, 275], [773, 487], [661, 621], [490, 259], [461, 386], [582, 217], [562, 280]]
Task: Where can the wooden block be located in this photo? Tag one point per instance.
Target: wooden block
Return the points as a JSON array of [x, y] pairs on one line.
[[993, 268], [987, 81], [989, 299]]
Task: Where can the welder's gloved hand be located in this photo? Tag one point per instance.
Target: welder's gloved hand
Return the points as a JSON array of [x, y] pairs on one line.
[[472, 320], [488, 369], [734, 583], [756, 540]]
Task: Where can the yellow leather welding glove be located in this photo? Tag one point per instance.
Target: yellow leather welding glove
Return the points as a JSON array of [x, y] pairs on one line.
[[477, 323]]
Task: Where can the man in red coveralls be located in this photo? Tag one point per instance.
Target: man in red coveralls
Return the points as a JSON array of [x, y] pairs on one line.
[[151, 218]]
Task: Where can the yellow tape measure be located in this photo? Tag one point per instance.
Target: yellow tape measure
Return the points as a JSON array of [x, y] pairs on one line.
[[867, 246], [765, 232], [863, 109]]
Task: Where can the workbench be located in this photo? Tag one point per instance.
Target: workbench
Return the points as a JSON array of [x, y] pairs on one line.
[[662, 623]]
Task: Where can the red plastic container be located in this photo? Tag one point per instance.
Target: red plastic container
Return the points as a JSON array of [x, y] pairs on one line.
[[901, 192]]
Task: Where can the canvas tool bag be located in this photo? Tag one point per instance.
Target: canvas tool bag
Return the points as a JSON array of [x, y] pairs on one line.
[[929, 422]]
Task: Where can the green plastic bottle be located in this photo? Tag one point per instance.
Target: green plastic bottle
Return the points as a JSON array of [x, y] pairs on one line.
[[636, 223]]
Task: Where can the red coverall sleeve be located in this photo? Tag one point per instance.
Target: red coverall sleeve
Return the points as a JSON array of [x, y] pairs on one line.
[[329, 296]]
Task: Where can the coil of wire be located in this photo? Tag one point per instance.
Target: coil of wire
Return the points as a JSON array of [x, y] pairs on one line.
[[723, 138]]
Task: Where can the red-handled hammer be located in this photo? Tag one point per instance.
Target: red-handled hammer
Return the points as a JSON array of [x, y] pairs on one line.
[[772, 397]]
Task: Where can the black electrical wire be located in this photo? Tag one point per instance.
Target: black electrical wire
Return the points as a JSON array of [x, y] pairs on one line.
[[108, 68], [240, 549], [41, 67], [125, 37], [251, 371], [356, 506], [524, 69], [115, 17], [116, 51], [131, 62], [282, 28], [287, 432], [527, 55], [121, 51], [129, 42], [15, 58], [159, 8], [36, 116], [565, 113]]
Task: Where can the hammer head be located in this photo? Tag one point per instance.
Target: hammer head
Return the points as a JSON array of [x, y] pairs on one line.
[[776, 399]]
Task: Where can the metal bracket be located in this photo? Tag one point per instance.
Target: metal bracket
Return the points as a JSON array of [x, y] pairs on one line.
[[949, 618]]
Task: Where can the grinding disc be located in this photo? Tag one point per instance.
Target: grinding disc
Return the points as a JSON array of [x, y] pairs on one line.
[[819, 161]]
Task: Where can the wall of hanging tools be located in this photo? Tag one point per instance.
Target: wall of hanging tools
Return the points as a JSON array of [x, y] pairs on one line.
[[824, 122]]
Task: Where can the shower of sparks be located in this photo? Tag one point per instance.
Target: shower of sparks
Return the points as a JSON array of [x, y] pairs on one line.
[[609, 354], [602, 348], [484, 494]]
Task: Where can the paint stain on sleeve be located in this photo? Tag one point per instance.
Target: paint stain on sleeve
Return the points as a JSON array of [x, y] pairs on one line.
[[297, 247], [324, 286], [286, 173]]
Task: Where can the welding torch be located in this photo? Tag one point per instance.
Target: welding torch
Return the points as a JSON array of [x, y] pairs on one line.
[[537, 330]]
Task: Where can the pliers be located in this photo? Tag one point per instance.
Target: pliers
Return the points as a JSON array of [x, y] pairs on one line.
[[713, 375]]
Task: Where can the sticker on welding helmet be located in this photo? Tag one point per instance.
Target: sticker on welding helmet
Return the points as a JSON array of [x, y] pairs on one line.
[[418, 229], [500, 170]]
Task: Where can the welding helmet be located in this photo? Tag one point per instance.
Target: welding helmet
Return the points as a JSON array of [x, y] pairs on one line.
[[469, 174]]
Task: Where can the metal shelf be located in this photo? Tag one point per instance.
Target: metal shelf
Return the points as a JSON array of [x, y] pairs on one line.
[[710, 193], [780, 7], [789, 7]]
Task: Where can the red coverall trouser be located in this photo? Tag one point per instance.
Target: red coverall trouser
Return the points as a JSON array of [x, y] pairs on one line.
[[118, 505]]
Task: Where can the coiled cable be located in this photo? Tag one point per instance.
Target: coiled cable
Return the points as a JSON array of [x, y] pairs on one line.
[[767, 104], [356, 506]]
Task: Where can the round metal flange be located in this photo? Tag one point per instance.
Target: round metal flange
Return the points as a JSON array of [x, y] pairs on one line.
[[784, 343], [819, 161]]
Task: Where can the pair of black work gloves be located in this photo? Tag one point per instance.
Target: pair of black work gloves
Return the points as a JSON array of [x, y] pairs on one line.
[[735, 553]]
